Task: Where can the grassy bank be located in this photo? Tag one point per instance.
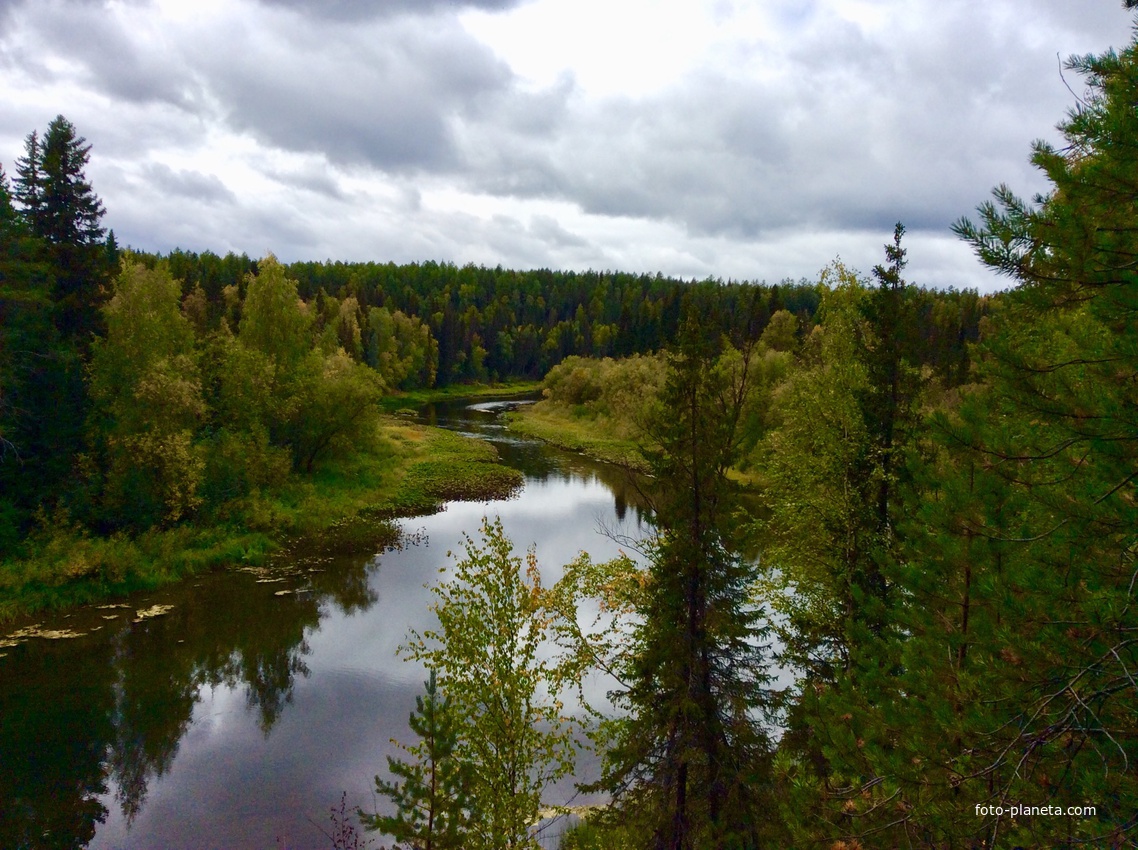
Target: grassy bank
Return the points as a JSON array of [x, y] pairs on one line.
[[414, 399], [590, 436], [345, 506]]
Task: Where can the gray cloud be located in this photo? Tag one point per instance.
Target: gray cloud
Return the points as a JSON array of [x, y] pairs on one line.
[[550, 231], [193, 185], [317, 180], [383, 93], [153, 219], [356, 10], [385, 97], [97, 52], [857, 134]]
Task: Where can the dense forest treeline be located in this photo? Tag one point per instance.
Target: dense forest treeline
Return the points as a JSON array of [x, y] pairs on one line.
[[493, 324]]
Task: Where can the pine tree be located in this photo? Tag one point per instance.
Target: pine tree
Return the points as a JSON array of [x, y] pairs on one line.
[[1009, 676]]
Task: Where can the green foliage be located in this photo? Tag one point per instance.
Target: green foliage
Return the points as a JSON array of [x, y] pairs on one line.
[[274, 321], [439, 323], [239, 463], [338, 410], [831, 468], [1004, 671], [817, 471], [1047, 457], [340, 508], [273, 378], [782, 332], [511, 731], [401, 349], [597, 833], [577, 434], [487, 324], [895, 388], [598, 407], [431, 794], [51, 275], [147, 402], [836, 475], [60, 208], [618, 394], [33, 366], [9, 220]]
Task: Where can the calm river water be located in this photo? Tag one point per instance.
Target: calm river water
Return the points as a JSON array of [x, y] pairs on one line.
[[238, 716]]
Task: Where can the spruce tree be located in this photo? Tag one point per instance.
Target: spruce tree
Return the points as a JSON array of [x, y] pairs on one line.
[[690, 763], [58, 201], [25, 331], [8, 216], [53, 271], [29, 179], [432, 793], [60, 207], [892, 381]]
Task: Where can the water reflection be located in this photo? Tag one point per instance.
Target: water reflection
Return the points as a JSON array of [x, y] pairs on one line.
[[535, 460], [108, 710], [237, 718]]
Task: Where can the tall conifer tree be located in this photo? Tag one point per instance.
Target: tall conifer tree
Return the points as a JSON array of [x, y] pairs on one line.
[[1062, 362], [53, 189], [29, 178], [61, 208], [690, 763]]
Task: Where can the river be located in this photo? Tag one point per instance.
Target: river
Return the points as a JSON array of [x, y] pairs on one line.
[[235, 709]]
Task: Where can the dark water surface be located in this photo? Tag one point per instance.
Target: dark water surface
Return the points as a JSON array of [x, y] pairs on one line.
[[236, 716]]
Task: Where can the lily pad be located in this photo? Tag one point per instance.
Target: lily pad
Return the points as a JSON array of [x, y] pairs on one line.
[[152, 611]]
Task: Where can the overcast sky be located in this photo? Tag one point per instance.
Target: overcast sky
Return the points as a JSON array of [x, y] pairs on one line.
[[745, 139]]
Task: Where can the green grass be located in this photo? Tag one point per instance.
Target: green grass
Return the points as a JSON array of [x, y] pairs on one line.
[[593, 437], [68, 566], [414, 399], [346, 506], [448, 466]]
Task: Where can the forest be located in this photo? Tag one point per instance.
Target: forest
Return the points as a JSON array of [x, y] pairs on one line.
[[922, 503]]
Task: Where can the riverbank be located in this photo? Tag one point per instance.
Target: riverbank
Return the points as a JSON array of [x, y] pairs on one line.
[[345, 506], [595, 437], [413, 400], [558, 427]]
